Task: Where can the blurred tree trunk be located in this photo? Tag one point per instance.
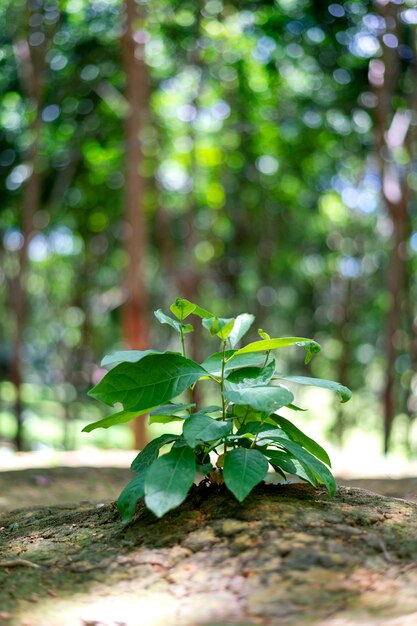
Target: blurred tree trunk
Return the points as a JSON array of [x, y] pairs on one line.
[[135, 308], [392, 127], [31, 64]]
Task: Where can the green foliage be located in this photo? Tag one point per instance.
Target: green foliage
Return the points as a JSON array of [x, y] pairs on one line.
[[242, 436]]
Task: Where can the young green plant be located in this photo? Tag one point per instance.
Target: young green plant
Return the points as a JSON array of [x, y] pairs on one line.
[[234, 442]]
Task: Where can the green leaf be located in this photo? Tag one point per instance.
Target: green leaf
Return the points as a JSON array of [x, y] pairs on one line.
[[281, 342], [255, 428], [243, 469], [117, 418], [290, 464], [126, 502], [263, 334], [169, 479], [265, 399], [182, 308], [127, 356], [151, 452], [249, 377], [197, 310], [200, 427], [220, 326], [322, 473], [169, 413], [344, 393], [297, 435], [294, 407], [165, 319], [213, 364], [145, 385], [241, 326]]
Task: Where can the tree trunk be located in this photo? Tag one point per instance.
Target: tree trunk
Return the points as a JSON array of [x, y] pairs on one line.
[[31, 65], [135, 308], [392, 129]]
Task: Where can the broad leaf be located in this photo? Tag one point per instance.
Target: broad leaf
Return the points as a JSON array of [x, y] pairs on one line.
[[241, 326], [117, 418], [297, 435], [142, 386], [249, 377], [287, 462], [165, 319], [344, 393], [255, 428], [220, 326], [127, 356], [265, 399], [243, 469], [151, 452], [200, 427], [169, 479], [213, 364], [126, 502], [323, 474], [282, 342], [169, 413]]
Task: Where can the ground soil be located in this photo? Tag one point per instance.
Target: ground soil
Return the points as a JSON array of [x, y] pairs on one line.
[[288, 555]]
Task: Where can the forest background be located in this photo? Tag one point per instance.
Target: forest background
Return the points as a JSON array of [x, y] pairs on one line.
[[252, 156]]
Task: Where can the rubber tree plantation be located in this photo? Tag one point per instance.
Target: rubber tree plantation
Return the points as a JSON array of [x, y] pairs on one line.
[[233, 442]]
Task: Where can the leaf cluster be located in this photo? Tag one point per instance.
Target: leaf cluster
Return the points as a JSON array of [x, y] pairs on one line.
[[234, 442]]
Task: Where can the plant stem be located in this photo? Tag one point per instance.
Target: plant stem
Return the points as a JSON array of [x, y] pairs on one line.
[[190, 391], [267, 357], [254, 442], [182, 341], [222, 385]]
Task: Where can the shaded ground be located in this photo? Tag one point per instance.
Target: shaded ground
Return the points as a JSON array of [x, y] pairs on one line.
[[288, 555], [67, 485]]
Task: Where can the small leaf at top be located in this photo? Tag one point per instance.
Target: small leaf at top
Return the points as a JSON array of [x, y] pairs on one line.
[[169, 479], [263, 334], [241, 326], [243, 469], [165, 319], [197, 310], [182, 308], [219, 326]]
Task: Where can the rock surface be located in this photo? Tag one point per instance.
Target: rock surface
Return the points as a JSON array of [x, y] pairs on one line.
[[288, 555]]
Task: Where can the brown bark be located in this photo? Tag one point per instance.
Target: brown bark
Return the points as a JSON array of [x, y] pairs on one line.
[[135, 307], [392, 128]]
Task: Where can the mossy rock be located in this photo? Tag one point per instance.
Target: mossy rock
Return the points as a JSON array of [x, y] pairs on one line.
[[287, 555]]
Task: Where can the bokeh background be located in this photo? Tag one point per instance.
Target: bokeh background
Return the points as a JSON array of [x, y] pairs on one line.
[[252, 156]]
